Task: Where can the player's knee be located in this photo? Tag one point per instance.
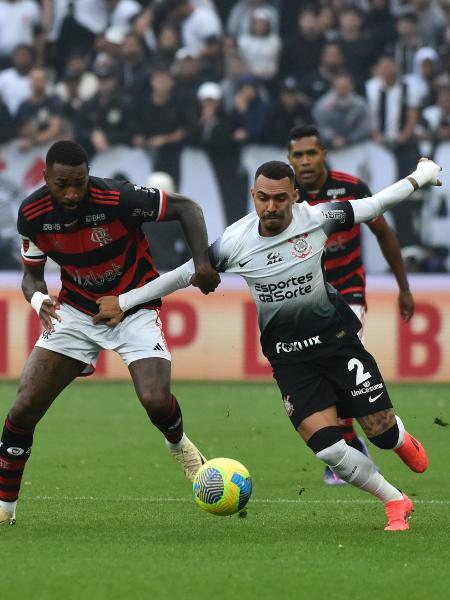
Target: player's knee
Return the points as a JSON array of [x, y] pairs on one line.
[[24, 414], [325, 444], [157, 402], [387, 440]]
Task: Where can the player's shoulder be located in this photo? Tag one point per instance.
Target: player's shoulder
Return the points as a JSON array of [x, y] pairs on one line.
[[36, 204], [240, 229], [351, 183], [105, 191]]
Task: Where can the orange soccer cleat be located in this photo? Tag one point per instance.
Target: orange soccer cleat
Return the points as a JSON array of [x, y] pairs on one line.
[[398, 513], [413, 454]]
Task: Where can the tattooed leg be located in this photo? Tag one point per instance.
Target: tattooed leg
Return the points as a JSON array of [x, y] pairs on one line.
[[378, 423]]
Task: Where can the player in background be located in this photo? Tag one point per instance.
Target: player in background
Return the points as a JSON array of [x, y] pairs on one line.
[[91, 227], [343, 260], [308, 331]]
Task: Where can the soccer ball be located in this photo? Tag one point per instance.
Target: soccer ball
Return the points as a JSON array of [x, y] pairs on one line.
[[222, 486]]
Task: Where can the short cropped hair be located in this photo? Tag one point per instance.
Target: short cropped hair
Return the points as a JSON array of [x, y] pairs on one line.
[[297, 133], [66, 152], [275, 169]]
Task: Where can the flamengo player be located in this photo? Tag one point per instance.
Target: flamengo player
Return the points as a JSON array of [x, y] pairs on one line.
[[92, 228], [343, 260], [308, 332]]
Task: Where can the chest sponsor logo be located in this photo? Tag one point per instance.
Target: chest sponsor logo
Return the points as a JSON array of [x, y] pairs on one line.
[[301, 248], [287, 347], [100, 235], [335, 244], [95, 218], [334, 193], [92, 278], [284, 290], [274, 257]]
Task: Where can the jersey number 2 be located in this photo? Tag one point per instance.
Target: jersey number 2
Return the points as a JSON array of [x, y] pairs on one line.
[[361, 376]]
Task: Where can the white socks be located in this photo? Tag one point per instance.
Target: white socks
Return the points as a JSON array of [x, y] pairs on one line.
[[358, 470], [401, 432], [10, 507]]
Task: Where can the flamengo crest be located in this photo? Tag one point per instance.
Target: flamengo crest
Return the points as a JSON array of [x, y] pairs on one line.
[[100, 235]]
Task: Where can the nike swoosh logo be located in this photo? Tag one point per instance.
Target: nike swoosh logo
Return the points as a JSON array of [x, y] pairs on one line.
[[243, 263], [376, 397]]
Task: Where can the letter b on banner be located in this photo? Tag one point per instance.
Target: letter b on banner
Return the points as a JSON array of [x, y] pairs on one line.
[[419, 350]]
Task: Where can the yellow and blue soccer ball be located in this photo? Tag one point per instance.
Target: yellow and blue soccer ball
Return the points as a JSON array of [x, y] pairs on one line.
[[222, 486]]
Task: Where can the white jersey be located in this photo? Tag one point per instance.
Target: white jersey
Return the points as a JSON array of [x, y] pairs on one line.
[[297, 309]]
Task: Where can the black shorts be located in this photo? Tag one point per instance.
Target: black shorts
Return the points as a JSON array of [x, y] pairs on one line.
[[346, 376]]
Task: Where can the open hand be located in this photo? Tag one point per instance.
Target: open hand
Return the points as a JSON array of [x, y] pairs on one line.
[[48, 313]]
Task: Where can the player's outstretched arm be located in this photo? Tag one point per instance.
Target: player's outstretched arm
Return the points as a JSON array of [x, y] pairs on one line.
[[366, 209], [112, 308]]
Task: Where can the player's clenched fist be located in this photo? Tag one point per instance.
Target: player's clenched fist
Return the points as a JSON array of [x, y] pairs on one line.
[[205, 278], [109, 311]]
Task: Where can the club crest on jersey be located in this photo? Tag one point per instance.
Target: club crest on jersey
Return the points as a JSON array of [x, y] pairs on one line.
[[100, 235], [288, 405], [301, 247]]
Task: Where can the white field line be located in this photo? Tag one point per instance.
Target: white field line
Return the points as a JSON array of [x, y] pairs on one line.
[[160, 499]]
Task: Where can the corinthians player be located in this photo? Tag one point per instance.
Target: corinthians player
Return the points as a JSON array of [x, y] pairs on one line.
[[308, 332]]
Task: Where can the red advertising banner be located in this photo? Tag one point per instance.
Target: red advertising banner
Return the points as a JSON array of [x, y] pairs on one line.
[[216, 337]]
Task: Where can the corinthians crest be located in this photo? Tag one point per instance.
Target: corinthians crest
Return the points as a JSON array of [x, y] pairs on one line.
[[288, 405], [301, 247]]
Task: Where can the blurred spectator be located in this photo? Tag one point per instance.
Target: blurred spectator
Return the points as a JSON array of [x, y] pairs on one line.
[[168, 42], [187, 72], [394, 102], [212, 59], [15, 84], [239, 19], [8, 128], [162, 123], [250, 110], [121, 12], [326, 19], [316, 83], [342, 116], [234, 70], [77, 71], [357, 46], [39, 119], [436, 119], [197, 22], [72, 27], [432, 21], [302, 52], [382, 25], [408, 42], [425, 70], [132, 66], [214, 133], [291, 109], [260, 47], [106, 119], [20, 21]]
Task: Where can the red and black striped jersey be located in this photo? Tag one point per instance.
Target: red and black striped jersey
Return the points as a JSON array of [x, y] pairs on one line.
[[343, 261], [104, 252]]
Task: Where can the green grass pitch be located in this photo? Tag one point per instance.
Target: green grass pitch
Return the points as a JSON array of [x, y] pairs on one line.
[[106, 513]]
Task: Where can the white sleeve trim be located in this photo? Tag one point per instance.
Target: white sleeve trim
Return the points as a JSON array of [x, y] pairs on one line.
[[31, 254]]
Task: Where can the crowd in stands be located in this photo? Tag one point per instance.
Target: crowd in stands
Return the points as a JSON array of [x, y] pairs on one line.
[[220, 74]]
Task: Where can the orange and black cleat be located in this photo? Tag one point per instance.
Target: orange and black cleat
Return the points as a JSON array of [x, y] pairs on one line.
[[413, 454], [398, 513]]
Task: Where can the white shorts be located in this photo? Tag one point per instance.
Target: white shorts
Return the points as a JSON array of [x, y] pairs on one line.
[[360, 312], [138, 336]]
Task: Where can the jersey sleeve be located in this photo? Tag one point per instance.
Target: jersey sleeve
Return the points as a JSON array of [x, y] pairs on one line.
[[141, 203], [31, 254], [335, 216], [220, 252]]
